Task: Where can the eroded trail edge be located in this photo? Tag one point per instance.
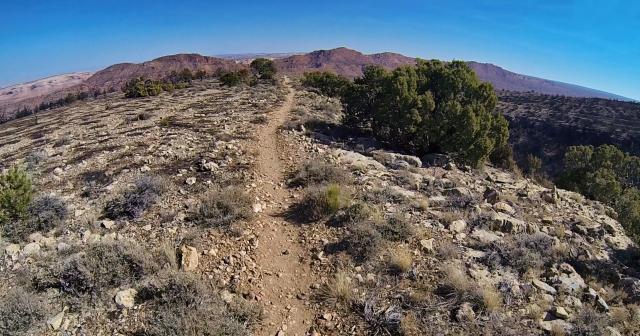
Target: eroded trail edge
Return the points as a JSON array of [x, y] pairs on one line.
[[285, 279]]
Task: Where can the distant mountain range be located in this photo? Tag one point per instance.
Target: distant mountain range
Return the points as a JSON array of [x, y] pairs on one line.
[[343, 61]]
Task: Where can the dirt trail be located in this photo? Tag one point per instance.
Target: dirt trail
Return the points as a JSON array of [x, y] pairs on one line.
[[285, 278]]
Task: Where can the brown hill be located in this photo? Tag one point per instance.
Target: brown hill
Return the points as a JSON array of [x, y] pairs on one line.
[[350, 63], [116, 75], [343, 61]]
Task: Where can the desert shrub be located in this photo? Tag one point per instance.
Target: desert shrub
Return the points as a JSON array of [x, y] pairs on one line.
[[134, 201], [525, 252], [355, 213], [43, 214], [141, 87], [235, 78], [22, 313], [319, 172], [327, 83], [182, 304], [395, 228], [431, 107], [364, 241], [590, 322], [323, 201], [223, 207], [35, 159], [15, 194], [263, 68], [101, 267]]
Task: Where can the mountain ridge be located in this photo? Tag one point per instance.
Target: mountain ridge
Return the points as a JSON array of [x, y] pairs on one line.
[[342, 60]]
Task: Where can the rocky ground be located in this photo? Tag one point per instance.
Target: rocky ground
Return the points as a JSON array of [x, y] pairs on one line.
[[261, 215]]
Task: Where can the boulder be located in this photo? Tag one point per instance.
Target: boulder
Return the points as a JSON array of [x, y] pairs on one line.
[[126, 298], [504, 208], [189, 259], [507, 224], [484, 236], [561, 313]]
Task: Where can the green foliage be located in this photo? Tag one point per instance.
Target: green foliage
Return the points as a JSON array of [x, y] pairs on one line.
[[15, 194], [431, 107], [608, 175], [263, 68], [534, 164], [327, 83], [235, 78], [141, 87]]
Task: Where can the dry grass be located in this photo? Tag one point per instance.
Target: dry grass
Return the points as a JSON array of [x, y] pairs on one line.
[[399, 261], [483, 296], [337, 290]]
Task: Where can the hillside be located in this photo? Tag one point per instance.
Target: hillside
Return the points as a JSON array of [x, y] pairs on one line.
[[250, 211], [546, 125], [343, 61], [116, 75], [33, 93], [502, 79]]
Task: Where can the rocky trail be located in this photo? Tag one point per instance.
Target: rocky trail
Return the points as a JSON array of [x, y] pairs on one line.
[[285, 278]]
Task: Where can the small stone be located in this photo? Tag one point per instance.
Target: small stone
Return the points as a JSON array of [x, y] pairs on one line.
[[145, 169], [48, 242], [62, 246], [504, 207], [56, 321], [126, 298], [107, 224], [12, 249], [189, 260], [257, 207], [427, 244], [31, 249], [58, 171], [35, 237], [465, 313], [458, 225], [544, 286], [560, 312], [226, 296], [191, 181]]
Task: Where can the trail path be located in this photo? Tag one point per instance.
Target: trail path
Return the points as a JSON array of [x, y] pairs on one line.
[[285, 277]]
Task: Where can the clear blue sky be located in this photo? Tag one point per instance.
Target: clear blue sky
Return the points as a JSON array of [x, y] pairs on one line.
[[590, 43]]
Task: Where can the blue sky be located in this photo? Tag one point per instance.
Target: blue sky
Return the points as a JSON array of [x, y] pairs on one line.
[[590, 43]]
